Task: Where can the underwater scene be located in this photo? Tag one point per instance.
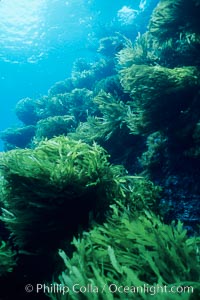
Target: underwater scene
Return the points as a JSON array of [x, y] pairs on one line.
[[100, 149]]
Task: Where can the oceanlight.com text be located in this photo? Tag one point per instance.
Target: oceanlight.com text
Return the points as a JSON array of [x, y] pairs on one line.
[[112, 288]]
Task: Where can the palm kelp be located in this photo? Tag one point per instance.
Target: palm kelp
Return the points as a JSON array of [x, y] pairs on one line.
[[7, 258], [54, 126], [113, 114], [160, 72], [18, 137], [155, 89], [110, 169], [175, 29], [129, 253], [51, 191], [170, 18]]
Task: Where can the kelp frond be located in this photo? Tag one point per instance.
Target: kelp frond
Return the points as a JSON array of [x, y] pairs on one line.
[[129, 251], [7, 259]]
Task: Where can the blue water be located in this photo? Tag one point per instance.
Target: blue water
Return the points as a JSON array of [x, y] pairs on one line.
[[40, 40]]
